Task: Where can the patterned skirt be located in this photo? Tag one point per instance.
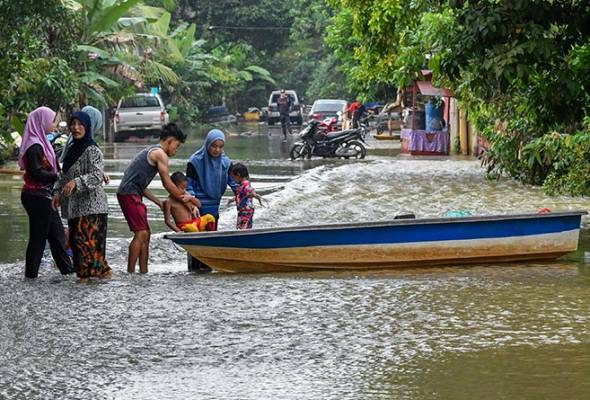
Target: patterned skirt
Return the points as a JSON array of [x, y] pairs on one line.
[[245, 216], [88, 239]]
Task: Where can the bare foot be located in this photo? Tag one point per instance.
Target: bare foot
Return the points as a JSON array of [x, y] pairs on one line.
[[107, 275]]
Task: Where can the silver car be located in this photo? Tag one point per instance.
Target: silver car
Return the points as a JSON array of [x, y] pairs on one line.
[[327, 108], [139, 114]]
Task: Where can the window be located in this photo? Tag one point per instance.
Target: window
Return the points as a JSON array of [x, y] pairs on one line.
[[275, 97], [140, 102], [334, 107]]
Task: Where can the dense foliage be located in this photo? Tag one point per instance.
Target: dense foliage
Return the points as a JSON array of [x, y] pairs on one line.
[[36, 58], [70, 53], [521, 69], [285, 38]]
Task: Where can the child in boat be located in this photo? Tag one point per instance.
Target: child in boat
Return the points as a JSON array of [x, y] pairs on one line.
[[184, 220], [244, 195]]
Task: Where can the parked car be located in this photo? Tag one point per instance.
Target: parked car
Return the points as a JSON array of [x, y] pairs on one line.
[[140, 114], [296, 116], [327, 108], [219, 114], [252, 115], [374, 106]]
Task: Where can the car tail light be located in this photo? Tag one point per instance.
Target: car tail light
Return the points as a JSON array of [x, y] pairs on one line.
[[162, 116], [318, 116], [117, 119]]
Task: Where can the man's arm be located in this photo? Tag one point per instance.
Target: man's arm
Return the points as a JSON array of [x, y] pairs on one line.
[[160, 158], [148, 193]]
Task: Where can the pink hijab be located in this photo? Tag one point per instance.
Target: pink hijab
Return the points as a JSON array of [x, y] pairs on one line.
[[38, 123]]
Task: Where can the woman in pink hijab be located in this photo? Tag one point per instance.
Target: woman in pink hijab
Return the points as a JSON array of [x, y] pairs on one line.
[[37, 159]]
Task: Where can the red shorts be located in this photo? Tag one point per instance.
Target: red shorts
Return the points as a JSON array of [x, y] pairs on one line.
[[135, 212]]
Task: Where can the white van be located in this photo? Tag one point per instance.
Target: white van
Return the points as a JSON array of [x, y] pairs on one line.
[[296, 116]]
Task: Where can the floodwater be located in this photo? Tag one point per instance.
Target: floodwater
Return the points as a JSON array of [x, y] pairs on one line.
[[506, 331]]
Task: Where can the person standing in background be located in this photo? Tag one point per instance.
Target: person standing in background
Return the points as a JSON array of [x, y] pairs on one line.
[[356, 110], [284, 104]]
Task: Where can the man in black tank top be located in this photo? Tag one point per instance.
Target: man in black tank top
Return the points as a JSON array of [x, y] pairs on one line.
[[134, 186]]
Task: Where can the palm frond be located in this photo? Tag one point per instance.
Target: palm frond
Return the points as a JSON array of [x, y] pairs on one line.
[[154, 70], [110, 15], [90, 77]]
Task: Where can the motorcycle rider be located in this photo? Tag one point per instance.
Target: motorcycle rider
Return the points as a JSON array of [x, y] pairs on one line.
[[356, 110], [284, 104]]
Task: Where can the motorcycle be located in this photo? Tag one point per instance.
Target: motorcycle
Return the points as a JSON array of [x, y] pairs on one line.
[[329, 125], [59, 138], [342, 144]]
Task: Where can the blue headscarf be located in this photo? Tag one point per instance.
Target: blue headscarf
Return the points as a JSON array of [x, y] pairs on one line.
[[95, 118], [79, 146], [211, 172]]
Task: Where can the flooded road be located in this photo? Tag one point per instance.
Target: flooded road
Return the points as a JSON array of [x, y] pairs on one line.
[[496, 331]]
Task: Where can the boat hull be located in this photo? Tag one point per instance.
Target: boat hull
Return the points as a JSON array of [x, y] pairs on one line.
[[399, 243]]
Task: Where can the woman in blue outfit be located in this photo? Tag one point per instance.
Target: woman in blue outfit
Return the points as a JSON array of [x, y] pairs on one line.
[[208, 177]]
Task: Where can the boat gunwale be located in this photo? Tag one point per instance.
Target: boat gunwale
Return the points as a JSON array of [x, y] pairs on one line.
[[375, 224]]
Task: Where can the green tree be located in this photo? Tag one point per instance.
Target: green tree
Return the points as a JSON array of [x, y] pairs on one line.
[[248, 21], [106, 39], [37, 45], [520, 68], [381, 32]]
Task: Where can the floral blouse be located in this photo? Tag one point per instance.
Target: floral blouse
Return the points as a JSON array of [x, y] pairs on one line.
[[89, 196]]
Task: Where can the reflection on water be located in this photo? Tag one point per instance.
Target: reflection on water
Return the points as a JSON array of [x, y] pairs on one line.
[[479, 374], [490, 331]]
